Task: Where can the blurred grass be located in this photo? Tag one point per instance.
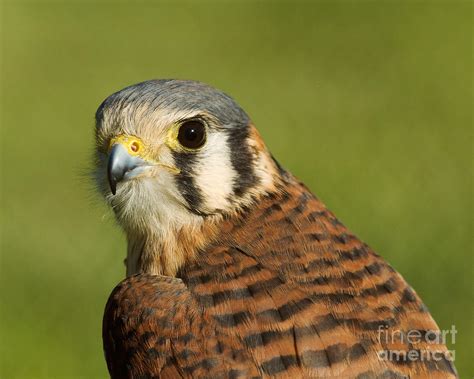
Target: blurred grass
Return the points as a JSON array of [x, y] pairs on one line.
[[369, 103]]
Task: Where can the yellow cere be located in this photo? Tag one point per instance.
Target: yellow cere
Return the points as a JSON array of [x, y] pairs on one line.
[[136, 147], [133, 144]]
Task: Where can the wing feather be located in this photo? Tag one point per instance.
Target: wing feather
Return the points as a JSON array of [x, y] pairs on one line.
[[153, 327]]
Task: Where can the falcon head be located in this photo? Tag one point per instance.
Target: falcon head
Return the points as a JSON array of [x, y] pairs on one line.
[[172, 153]]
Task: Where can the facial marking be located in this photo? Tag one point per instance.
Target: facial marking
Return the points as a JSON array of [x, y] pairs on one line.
[[215, 176], [205, 178]]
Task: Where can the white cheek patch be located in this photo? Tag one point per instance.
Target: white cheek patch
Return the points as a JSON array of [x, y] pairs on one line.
[[213, 173]]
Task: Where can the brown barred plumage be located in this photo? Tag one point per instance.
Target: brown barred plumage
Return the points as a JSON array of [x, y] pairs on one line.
[[285, 291]]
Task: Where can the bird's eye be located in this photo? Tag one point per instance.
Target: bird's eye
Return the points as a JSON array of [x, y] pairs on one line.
[[192, 134]]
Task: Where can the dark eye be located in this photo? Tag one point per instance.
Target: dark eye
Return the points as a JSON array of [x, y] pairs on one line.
[[192, 134]]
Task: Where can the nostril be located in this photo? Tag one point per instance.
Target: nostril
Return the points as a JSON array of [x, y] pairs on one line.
[[134, 147]]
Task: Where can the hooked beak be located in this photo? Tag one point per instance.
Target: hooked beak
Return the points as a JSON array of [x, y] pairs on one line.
[[123, 166]]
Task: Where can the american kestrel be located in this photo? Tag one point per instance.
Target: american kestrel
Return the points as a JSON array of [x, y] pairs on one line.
[[234, 268]]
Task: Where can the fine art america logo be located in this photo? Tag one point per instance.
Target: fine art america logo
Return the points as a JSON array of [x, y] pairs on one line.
[[425, 345]]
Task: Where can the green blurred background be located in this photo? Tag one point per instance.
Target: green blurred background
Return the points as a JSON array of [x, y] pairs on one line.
[[369, 103]]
